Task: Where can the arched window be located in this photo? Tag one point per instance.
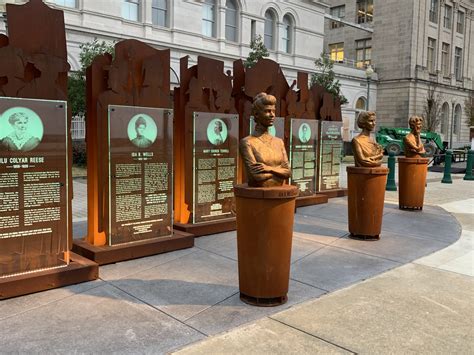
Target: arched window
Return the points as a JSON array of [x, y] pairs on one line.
[[286, 36], [231, 20], [444, 118], [159, 9], [457, 119], [361, 104], [209, 18], [269, 29]]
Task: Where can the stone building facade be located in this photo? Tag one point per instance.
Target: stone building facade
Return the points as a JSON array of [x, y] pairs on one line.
[[414, 46], [293, 30]]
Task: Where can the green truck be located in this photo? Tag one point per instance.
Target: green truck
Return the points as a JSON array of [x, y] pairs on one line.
[[392, 140]]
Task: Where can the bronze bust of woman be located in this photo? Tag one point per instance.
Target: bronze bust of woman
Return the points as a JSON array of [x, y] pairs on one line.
[[264, 156], [367, 153], [414, 147]]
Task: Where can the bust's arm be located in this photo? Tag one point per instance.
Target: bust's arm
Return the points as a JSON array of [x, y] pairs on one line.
[[413, 143], [365, 161], [251, 164], [283, 171]]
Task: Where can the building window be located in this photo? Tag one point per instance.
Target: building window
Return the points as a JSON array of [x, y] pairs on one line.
[[457, 119], [158, 13], [269, 29], [445, 59], [444, 118], [434, 11], [448, 16], [361, 104], [287, 33], [431, 55], [460, 23], [458, 63], [336, 52], [363, 53], [339, 12], [253, 29], [130, 9], [231, 20], [365, 11], [208, 18], [66, 3]]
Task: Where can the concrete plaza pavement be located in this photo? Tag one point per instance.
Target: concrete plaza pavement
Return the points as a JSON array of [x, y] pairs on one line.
[[412, 291]]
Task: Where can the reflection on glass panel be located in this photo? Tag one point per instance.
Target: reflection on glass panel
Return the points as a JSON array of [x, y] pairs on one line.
[[140, 173], [34, 212], [303, 148]]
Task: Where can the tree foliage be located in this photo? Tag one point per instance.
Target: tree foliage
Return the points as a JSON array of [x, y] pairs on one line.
[[469, 108], [258, 51], [326, 77], [432, 109], [77, 80]]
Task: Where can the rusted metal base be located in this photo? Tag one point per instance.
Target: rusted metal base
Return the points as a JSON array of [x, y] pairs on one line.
[[79, 270], [111, 254], [335, 193], [411, 208], [364, 237], [315, 199], [263, 302], [201, 229]]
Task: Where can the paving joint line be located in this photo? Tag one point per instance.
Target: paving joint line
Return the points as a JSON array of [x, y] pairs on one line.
[[157, 309], [215, 304], [312, 335]]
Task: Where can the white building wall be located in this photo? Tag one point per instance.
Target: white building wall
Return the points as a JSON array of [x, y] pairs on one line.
[[102, 19]]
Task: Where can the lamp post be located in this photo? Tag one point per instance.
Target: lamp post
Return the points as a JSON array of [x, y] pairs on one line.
[[453, 102], [368, 73]]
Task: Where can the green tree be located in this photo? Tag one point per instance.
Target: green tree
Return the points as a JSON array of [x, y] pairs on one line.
[[469, 108], [77, 80], [326, 77], [258, 50]]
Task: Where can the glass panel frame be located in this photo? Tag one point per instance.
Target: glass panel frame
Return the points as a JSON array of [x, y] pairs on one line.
[[330, 152], [215, 164], [140, 204], [34, 214], [303, 155]]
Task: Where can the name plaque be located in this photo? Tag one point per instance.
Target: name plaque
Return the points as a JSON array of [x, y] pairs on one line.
[[331, 145], [303, 146], [140, 173], [215, 159], [34, 212]]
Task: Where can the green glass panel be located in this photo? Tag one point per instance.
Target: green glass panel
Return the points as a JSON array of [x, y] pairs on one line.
[[140, 202], [215, 156], [34, 209]]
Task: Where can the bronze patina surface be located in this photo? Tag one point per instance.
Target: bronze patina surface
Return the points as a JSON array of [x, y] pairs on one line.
[[413, 145], [367, 153], [264, 156]]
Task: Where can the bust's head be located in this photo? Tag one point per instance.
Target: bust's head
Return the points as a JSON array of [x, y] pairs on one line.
[[366, 120], [263, 109], [415, 123]]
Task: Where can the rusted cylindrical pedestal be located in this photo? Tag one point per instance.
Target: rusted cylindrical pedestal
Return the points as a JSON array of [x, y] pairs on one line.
[[411, 182], [265, 218], [366, 193]]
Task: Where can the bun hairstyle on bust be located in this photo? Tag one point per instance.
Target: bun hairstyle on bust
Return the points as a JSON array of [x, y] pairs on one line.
[[140, 121], [16, 117]]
